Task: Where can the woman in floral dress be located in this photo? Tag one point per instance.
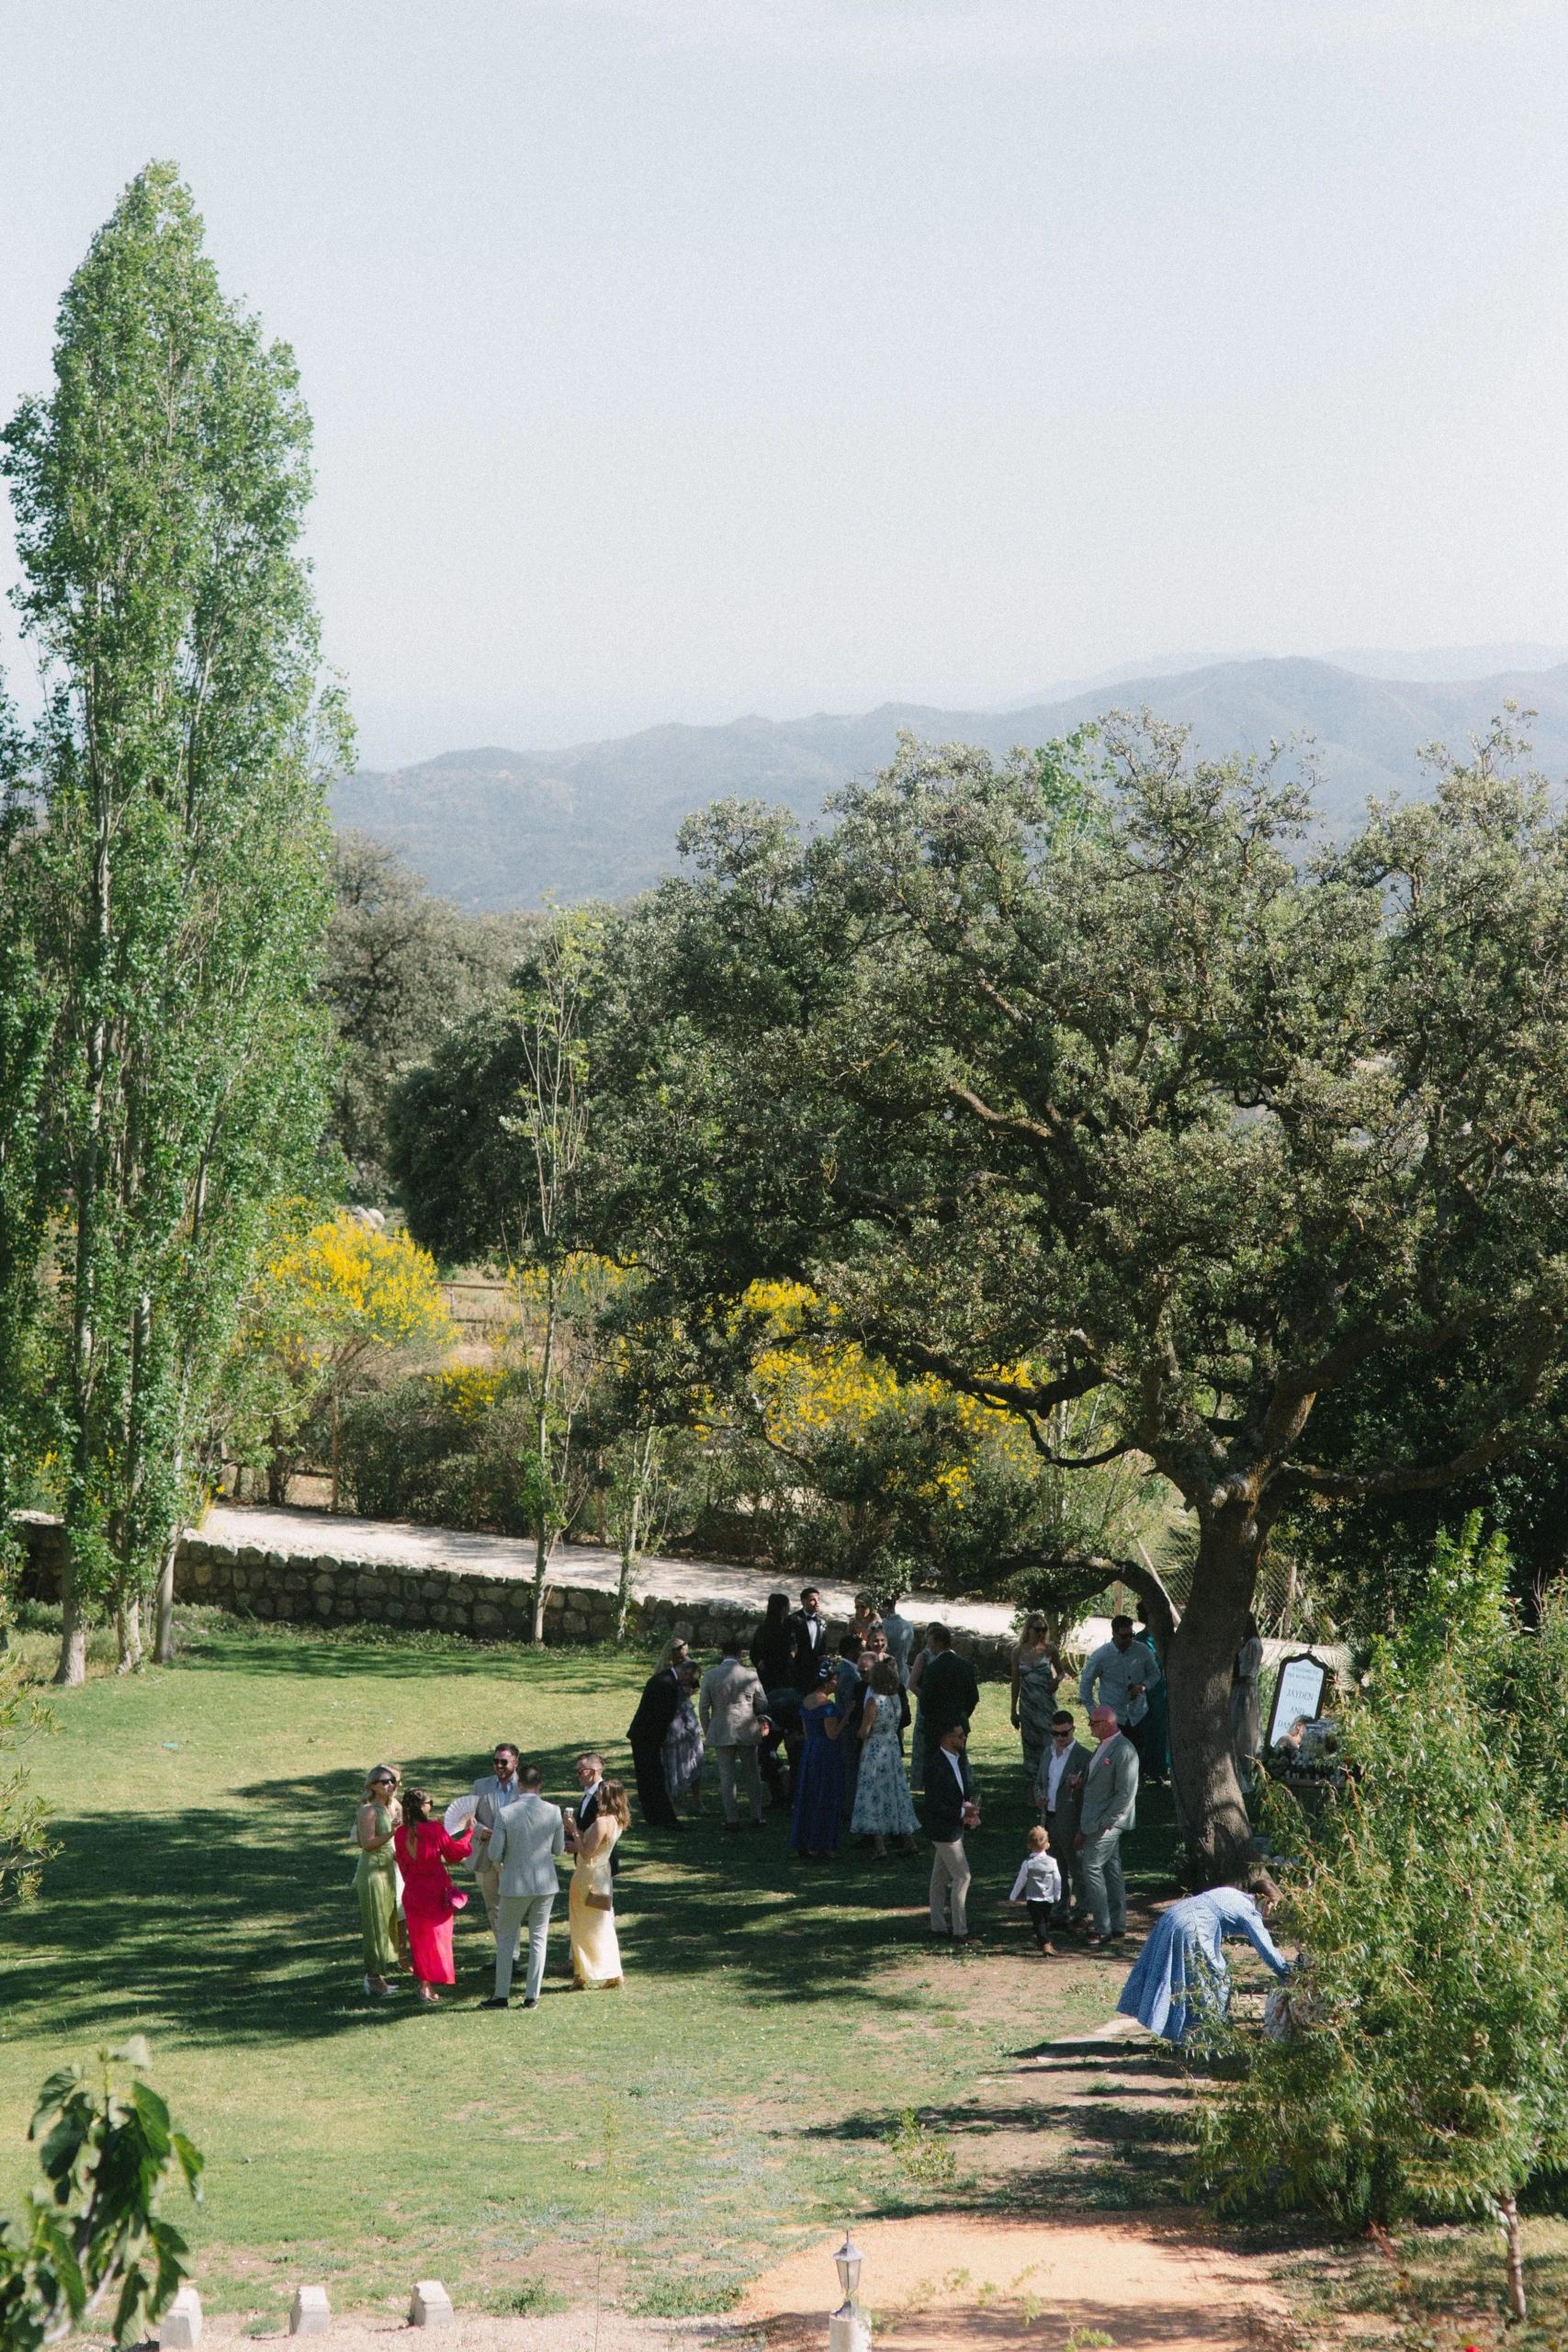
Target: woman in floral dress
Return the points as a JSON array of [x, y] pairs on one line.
[[884, 1807]]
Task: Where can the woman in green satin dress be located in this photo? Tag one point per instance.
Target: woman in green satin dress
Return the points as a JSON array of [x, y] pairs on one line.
[[1036, 1671], [375, 1879]]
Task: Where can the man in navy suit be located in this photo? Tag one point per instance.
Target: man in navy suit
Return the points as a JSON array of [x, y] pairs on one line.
[[591, 1779]]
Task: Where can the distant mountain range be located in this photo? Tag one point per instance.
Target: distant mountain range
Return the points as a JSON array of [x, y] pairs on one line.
[[498, 828]]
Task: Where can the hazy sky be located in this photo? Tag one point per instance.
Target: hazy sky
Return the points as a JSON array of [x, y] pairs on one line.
[[676, 358]]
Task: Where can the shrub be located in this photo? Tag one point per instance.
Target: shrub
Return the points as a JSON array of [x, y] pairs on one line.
[[1432, 1908]]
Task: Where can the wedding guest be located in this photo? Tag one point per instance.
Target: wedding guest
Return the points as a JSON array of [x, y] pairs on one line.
[[376, 1878], [685, 1752], [589, 1768], [849, 1691], [656, 1710], [423, 1849], [1154, 1763], [1246, 1715], [527, 1837], [1058, 1793], [948, 1694], [591, 1905], [1036, 1671], [819, 1786], [866, 1615], [1110, 1805], [1120, 1675], [882, 1808], [809, 1629], [1038, 1884], [1180, 1981], [774, 1655], [732, 1710], [772, 1650], [495, 1789], [950, 1809], [900, 1635]]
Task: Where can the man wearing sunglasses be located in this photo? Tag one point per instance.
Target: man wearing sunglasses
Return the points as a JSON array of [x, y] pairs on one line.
[[498, 1788]]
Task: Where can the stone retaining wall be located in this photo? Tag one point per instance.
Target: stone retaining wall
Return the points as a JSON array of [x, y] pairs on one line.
[[327, 1588]]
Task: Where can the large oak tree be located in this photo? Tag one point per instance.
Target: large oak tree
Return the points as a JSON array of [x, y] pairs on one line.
[[1080, 1075]]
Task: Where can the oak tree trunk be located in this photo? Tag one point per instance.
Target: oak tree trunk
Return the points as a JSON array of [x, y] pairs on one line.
[[1200, 1661]]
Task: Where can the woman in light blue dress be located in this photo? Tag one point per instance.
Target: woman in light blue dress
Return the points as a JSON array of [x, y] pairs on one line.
[[884, 1807], [1180, 1981]]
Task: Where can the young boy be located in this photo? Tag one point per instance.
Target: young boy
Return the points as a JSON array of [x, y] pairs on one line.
[[1038, 1884]]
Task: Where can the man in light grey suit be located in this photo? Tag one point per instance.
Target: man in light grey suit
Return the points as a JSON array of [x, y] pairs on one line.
[[1108, 1806], [527, 1835], [732, 1708]]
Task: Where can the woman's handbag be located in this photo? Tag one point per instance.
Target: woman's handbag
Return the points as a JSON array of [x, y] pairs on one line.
[[600, 1902]]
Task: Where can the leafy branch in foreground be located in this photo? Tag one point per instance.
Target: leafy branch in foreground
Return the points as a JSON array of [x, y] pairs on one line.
[[94, 2229]]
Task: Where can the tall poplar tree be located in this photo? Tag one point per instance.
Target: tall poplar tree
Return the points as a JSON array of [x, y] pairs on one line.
[[180, 855]]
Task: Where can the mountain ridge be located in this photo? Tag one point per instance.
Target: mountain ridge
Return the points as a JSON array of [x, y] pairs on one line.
[[494, 828]]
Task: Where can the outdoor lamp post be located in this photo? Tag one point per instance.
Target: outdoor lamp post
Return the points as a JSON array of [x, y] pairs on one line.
[[847, 2330]]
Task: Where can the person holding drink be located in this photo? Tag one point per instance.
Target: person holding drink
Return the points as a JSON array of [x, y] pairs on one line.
[[951, 1808]]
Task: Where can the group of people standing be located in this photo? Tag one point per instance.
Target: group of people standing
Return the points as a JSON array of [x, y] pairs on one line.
[[820, 1725], [406, 1899]]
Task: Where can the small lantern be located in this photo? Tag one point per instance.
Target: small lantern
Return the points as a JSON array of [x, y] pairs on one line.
[[847, 2329]]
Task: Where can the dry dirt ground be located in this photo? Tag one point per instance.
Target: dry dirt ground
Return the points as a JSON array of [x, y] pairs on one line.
[[942, 2283]]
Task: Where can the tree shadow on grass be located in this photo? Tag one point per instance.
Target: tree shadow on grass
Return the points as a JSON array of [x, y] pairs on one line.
[[239, 1921]]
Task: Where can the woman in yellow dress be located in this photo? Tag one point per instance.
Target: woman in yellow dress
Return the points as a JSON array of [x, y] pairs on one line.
[[376, 1878], [591, 1907]]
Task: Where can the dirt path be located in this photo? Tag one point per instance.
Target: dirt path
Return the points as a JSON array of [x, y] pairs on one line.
[[940, 2283], [399, 1542], [945, 2283]]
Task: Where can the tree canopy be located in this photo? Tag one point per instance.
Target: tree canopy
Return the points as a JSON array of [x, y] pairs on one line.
[[1084, 1075]]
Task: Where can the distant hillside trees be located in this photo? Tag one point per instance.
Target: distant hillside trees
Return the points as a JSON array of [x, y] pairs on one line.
[[402, 970], [165, 871]]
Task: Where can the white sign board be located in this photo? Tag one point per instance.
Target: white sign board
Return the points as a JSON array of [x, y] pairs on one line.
[[1298, 1694]]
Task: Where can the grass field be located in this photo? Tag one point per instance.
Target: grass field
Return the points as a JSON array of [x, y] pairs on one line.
[[789, 2049]]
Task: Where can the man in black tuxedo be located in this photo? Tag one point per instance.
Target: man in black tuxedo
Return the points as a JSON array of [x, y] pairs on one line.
[[809, 1628], [591, 1779], [656, 1710], [950, 1809]]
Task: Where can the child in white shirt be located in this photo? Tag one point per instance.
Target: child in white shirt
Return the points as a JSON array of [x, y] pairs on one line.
[[1038, 1884]]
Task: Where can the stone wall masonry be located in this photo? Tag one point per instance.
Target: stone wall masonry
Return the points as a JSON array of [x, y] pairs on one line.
[[324, 1589]]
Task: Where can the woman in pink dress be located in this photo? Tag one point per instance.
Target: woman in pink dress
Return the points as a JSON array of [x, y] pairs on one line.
[[423, 1849]]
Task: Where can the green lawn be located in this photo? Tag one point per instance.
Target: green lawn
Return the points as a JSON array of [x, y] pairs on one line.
[[747, 2086]]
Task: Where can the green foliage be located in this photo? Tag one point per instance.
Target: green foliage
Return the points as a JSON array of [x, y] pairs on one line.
[[427, 1450], [1073, 1076], [176, 872], [24, 1843], [94, 2241], [403, 971], [922, 2155], [686, 2295], [1430, 2072]]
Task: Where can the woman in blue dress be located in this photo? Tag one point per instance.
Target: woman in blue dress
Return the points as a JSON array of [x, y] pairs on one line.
[[1180, 1981], [819, 1785], [884, 1807]]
